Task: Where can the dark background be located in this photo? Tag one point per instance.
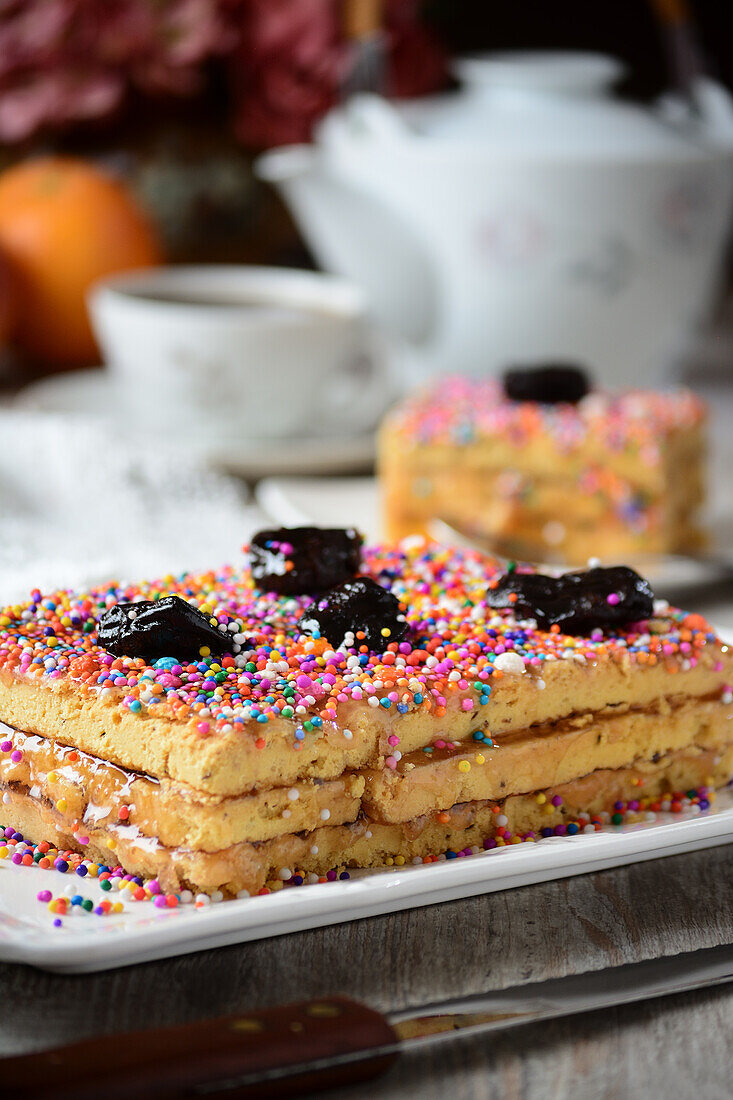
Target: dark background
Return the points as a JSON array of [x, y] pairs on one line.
[[630, 29]]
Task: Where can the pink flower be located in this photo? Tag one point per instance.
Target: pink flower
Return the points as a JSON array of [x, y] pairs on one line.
[[65, 61], [56, 98], [293, 56]]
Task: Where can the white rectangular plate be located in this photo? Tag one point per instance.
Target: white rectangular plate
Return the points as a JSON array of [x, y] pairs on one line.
[[86, 942]]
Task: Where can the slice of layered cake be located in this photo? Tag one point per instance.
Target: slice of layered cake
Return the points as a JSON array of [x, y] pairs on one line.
[[545, 468], [328, 706]]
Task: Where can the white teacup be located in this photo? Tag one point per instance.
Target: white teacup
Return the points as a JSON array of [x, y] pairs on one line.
[[266, 351]]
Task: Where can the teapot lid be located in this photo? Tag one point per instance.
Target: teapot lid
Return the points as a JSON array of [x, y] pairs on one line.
[[567, 73], [530, 103]]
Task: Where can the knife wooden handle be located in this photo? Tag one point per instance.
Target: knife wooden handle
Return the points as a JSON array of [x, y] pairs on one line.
[[282, 1051]]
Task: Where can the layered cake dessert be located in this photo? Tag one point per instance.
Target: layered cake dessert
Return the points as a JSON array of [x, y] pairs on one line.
[[329, 706], [545, 468]]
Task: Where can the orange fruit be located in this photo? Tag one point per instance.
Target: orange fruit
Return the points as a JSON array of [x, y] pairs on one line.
[[63, 225], [8, 303]]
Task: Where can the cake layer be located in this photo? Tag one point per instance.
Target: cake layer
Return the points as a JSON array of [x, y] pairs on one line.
[[585, 677], [363, 843], [95, 792], [492, 473], [229, 762], [469, 424], [517, 513], [542, 756], [507, 495]]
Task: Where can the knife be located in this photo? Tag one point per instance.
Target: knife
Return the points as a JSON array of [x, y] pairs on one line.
[[296, 1049]]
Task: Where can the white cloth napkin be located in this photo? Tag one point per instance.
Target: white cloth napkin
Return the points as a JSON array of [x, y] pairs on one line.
[[80, 503]]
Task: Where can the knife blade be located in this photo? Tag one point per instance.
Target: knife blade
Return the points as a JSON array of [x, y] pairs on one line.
[[557, 997], [295, 1049]]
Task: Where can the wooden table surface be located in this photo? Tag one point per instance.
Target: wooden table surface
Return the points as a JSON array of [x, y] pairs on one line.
[[678, 1048]]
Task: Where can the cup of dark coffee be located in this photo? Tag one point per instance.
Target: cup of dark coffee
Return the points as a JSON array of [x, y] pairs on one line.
[[268, 351]]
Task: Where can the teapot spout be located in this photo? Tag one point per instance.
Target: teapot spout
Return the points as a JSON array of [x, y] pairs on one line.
[[357, 235]]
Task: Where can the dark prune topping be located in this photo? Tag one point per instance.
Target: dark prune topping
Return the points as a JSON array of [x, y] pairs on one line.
[[552, 384], [358, 606], [151, 629], [296, 560], [576, 602]]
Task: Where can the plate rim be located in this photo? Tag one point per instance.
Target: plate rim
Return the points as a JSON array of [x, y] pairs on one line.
[[169, 934]]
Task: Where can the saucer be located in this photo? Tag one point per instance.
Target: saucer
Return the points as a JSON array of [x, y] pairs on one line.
[[96, 395]]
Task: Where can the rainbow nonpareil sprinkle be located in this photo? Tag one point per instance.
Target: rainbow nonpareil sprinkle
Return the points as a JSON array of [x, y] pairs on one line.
[[456, 647]]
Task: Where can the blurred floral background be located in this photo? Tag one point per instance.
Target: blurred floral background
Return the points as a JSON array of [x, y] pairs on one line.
[[279, 62], [175, 97]]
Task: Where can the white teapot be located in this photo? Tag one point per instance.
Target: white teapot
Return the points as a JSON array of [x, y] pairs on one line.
[[528, 216]]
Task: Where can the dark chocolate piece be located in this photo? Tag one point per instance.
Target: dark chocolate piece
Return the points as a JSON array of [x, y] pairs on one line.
[[357, 607], [296, 560], [576, 602], [152, 629], [552, 384]]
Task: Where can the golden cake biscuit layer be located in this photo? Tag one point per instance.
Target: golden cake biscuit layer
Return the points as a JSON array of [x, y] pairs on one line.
[[549, 755], [94, 792], [236, 762], [369, 844]]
